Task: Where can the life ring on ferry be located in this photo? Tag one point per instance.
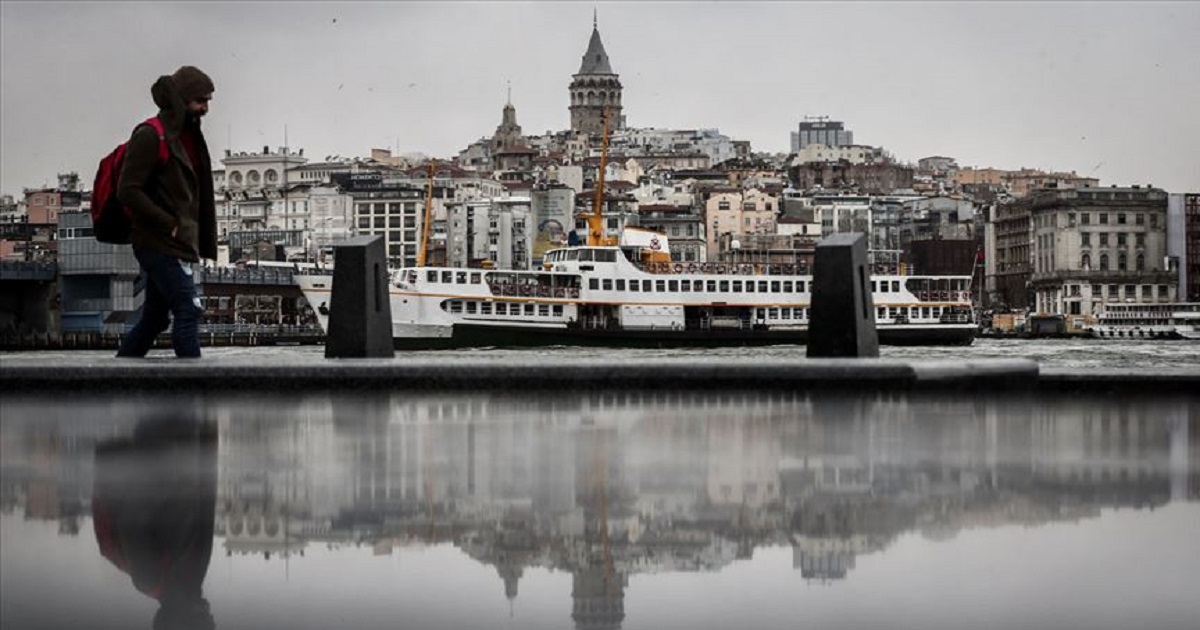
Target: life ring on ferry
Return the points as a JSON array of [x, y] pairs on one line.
[[677, 268], [691, 267]]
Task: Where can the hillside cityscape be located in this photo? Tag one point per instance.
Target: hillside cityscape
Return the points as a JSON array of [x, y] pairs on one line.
[[1034, 241]]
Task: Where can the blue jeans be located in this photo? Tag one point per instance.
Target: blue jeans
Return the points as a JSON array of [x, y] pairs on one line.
[[170, 292]]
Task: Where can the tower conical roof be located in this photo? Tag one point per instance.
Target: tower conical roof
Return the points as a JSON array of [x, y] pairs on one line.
[[595, 60]]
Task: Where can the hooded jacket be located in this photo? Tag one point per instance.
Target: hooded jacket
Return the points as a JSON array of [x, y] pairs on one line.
[[177, 194]]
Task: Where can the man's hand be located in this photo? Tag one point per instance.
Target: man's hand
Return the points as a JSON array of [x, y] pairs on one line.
[[175, 231]]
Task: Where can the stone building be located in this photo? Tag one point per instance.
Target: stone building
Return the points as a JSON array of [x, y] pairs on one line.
[[594, 89], [1090, 246]]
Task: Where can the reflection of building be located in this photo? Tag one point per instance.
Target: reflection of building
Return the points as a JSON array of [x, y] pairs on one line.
[[620, 484]]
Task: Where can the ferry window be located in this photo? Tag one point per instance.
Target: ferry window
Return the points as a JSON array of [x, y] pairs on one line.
[[724, 285], [635, 285], [762, 286], [760, 313], [485, 308], [772, 313], [673, 285], [607, 255], [698, 286], [737, 286], [621, 284], [543, 310], [502, 308], [585, 255], [785, 313], [799, 286], [874, 287], [749, 286], [455, 306], [431, 276], [607, 284], [774, 286], [787, 286], [925, 312], [685, 285], [557, 310], [475, 278], [529, 310], [573, 254], [712, 286], [660, 285], [895, 286], [461, 277], [446, 277], [594, 284]]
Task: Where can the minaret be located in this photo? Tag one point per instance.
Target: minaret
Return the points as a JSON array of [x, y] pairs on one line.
[[594, 88]]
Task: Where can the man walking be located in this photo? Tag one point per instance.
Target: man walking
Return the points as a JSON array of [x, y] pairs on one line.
[[174, 219]]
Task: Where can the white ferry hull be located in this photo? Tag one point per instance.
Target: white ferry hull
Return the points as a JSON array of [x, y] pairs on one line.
[[612, 303]]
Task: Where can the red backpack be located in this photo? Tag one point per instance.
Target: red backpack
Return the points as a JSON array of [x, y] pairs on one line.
[[112, 222]]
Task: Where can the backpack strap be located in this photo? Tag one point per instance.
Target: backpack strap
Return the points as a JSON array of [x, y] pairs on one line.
[[163, 151]]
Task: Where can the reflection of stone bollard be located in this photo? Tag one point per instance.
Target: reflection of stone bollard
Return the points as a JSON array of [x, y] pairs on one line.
[[360, 311], [842, 313]]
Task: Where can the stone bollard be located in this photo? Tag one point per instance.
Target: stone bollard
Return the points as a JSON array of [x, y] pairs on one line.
[[360, 310], [841, 319]]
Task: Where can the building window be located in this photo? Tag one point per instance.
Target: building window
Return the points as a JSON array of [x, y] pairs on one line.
[[1140, 239], [1086, 239], [1141, 262], [1121, 262], [722, 205], [1085, 218], [1120, 218], [1104, 239], [1139, 219], [1121, 238], [1103, 218], [1103, 262], [1086, 262]]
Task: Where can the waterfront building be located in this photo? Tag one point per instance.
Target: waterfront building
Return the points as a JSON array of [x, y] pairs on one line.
[[821, 130], [393, 209], [1183, 243], [869, 178], [683, 226], [1094, 245], [594, 89]]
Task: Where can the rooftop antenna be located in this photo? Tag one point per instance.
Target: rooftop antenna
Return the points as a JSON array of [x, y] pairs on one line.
[[595, 18], [509, 92]]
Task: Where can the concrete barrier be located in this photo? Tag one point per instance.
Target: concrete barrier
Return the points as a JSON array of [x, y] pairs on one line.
[[842, 312], [360, 311]]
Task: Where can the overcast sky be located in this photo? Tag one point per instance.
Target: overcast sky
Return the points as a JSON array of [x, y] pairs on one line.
[[1105, 89]]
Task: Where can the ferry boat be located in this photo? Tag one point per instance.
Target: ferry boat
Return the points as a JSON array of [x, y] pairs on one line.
[[613, 296], [1167, 320]]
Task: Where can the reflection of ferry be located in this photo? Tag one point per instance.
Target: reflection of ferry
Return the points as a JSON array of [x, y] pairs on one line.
[[622, 296], [1175, 320]]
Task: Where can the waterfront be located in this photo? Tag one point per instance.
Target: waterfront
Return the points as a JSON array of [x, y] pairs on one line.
[[613, 510], [1083, 354]]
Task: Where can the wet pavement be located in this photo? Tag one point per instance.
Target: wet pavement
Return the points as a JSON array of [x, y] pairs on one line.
[[613, 509]]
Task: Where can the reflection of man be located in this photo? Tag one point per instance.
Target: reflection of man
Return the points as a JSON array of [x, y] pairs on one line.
[[153, 508]]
